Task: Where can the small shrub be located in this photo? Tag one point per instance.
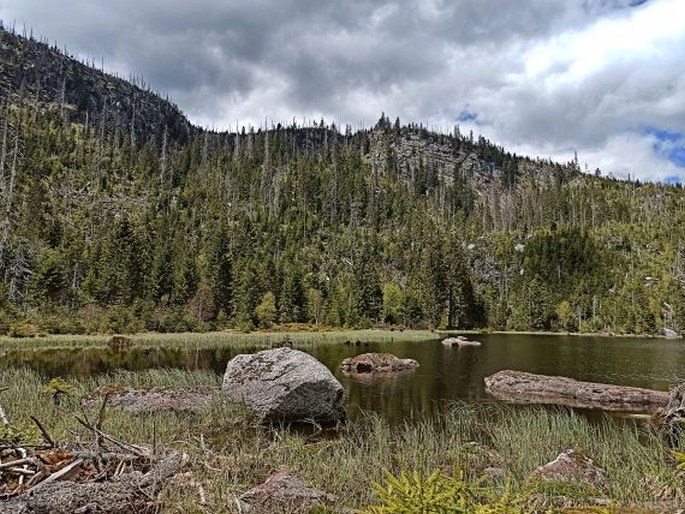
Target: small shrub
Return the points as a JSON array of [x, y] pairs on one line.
[[58, 388], [439, 493], [22, 329]]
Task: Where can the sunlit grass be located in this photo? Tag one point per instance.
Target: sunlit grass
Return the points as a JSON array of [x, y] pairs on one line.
[[217, 339]]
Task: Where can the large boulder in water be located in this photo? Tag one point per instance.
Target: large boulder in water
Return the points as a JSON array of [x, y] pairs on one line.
[[377, 362], [284, 385]]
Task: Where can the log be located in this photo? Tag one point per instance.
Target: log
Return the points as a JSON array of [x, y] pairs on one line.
[[529, 388], [130, 492]]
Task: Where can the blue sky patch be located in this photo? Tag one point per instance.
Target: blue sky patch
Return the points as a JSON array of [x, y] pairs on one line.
[[669, 144], [467, 115]]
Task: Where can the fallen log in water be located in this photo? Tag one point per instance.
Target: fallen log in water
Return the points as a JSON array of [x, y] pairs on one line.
[[521, 387]]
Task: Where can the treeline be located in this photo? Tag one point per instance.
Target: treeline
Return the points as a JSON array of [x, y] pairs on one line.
[[101, 231]]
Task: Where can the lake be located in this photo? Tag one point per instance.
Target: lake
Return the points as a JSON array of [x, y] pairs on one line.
[[445, 373]]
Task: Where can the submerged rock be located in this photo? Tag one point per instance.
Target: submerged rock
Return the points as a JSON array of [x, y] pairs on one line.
[[459, 341], [282, 492], [573, 466], [378, 363], [521, 387], [284, 385]]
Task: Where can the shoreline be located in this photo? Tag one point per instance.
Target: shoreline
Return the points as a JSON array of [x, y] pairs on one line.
[[555, 334], [303, 336]]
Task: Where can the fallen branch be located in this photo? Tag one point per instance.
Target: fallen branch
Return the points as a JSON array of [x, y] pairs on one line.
[[46, 435], [59, 474], [136, 450]]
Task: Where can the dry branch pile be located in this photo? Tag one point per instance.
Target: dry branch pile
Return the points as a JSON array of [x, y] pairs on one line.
[[106, 476]]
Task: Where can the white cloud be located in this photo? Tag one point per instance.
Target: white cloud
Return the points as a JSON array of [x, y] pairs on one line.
[[545, 78]]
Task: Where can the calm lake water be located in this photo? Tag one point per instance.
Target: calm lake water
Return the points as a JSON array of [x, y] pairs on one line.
[[444, 374]]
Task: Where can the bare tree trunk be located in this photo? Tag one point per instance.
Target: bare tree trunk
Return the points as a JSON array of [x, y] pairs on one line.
[[162, 167], [8, 202]]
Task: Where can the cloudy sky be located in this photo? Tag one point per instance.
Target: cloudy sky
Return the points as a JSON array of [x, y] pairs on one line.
[[543, 77]]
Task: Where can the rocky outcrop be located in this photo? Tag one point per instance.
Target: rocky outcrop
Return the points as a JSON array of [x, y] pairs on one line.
[[459, 341], [282, 492], [377, 363], [521, 387], [284, 385], [573, 466]]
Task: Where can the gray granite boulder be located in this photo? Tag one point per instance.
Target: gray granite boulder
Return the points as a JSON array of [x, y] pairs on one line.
[[573, 466], [284, 493], [284, 385]]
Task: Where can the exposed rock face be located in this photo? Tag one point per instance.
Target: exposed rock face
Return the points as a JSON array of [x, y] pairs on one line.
[[573, 466], [154, 399], [459, 341], [521, 387], [377, 363], [284, 385], [284, 493]]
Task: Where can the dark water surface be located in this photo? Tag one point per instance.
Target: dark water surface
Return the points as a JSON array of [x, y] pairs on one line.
[[445, 373]]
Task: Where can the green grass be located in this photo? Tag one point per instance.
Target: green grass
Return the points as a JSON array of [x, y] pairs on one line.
[[230, 455], [216, 339]]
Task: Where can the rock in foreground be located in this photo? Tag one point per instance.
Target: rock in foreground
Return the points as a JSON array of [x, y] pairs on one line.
[[521, 387], [283, 493], [284, 385], [377, 363], [573, 466]]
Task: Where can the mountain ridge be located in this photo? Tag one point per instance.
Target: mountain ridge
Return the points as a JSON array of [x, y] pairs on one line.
[[134, 219]]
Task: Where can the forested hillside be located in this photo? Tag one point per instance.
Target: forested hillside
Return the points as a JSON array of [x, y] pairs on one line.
[[117, 215]]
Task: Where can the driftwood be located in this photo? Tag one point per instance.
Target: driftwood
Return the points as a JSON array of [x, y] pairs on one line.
[[521, 387]]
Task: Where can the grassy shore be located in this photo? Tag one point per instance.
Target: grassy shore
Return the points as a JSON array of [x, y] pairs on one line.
[[230, 455], [217, 339]]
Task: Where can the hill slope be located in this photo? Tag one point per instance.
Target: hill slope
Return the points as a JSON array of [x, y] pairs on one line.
[[142, 221]]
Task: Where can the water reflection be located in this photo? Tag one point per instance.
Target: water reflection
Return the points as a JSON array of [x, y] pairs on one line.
[[445, 373]]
